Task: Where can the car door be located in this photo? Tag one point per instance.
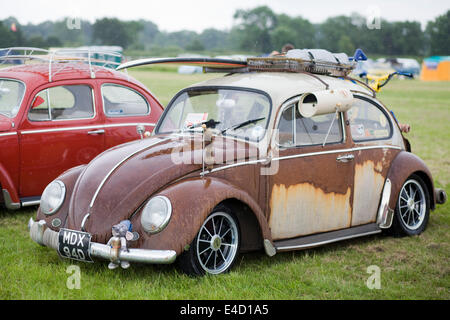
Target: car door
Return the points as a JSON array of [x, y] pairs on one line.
[[60, 130], [372, 134], [311, 192], [125, 108]]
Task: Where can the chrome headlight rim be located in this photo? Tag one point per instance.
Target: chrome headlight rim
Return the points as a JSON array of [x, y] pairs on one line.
[[167, 218], [60, 200]]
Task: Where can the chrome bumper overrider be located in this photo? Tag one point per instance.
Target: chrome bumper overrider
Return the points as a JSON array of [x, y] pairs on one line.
[[44, 236]]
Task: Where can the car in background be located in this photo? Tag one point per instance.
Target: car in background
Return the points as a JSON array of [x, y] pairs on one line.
[[402, 65], [55, 115]]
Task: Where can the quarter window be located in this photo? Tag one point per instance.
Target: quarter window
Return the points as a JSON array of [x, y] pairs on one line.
[[63, 103], [121, 101], [368, 122], [295, 130]]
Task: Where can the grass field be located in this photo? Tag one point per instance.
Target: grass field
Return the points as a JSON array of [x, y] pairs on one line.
[[411, 268]]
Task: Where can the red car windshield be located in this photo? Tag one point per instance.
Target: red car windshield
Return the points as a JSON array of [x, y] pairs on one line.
[[11, 95]]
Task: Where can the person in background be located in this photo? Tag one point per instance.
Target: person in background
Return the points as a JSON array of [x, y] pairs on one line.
[[284, 50]]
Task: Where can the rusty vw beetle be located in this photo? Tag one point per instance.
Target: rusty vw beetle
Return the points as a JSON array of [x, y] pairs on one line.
[[250, 161]]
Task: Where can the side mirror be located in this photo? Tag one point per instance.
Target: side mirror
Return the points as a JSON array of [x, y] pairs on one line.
[[324, 102]]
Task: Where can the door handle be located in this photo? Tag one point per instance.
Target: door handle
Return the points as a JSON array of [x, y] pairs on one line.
[[100, 131], [346, 158]]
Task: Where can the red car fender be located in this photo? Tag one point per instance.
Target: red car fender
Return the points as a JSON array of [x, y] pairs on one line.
[[7, 183], [192, 201], [403, 166]]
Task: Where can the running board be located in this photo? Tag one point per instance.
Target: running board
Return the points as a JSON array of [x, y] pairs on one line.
[[327, 237]]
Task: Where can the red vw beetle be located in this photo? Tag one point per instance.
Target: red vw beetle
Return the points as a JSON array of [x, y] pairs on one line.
[[58, 114]]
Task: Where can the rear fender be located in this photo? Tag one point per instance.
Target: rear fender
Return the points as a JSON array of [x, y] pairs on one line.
[[403, 166]]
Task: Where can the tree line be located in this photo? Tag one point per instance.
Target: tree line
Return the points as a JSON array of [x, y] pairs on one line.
[[256, 31]]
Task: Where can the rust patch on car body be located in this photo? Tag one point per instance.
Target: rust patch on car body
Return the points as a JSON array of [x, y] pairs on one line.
[[304, 209], [371, 169], [193, 199], [368, 186]]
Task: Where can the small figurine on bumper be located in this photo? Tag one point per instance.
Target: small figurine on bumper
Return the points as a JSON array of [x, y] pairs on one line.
[[122, 233]]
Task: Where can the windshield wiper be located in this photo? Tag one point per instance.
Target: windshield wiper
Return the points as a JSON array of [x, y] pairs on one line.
[[242, 124], [209, 124]]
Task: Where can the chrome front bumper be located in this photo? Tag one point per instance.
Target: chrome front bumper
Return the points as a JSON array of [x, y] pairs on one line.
[[44, 236]]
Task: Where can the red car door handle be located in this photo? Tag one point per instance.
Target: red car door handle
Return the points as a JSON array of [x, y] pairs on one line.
[[346, 158], [101, 131]]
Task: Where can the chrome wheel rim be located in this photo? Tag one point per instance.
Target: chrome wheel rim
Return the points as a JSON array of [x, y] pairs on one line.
[[217, 243], [412, 204]]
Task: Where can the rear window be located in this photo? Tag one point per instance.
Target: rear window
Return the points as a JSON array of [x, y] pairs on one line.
[[121, 101], [368, 122]]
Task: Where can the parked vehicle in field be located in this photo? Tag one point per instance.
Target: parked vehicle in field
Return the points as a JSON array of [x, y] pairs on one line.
[[60, 113], [403, 65], [280, 155]]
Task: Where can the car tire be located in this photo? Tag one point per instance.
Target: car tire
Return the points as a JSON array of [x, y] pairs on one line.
[[412, 210], [215, 247]]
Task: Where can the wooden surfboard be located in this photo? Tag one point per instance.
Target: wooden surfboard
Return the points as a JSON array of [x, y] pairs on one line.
[[198, 62]]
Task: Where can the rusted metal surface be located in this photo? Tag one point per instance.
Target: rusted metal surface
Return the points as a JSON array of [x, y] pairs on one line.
[[304, 209], [310, 194], [69, 178], [371, 167], [192, 201], [151, 170]]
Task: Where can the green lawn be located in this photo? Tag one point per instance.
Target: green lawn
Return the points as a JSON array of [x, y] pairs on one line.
[[411, 268]]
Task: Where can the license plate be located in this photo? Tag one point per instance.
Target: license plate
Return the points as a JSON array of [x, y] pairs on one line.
[[74, 245]]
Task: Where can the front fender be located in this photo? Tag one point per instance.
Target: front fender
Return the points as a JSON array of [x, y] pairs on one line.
[[404, 165], [69, 179], [192, 201]]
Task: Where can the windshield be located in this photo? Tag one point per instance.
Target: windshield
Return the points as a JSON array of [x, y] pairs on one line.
[[238, 113], [11, 94]]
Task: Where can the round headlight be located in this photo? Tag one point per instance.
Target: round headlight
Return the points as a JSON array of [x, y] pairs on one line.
[[53, 197], [156, 214]]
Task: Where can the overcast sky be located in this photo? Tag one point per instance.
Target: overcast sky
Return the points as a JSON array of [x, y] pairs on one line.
[[197, 15]]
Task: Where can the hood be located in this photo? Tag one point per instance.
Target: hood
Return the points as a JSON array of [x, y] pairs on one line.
[[117, 182]]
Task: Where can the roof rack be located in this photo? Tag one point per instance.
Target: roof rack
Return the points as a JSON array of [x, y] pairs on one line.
[[285, 64], [62, 57]]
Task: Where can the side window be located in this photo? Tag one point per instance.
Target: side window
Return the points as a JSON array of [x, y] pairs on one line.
[[368, 122], [294, 130], [314, 130], [122, 101], [63, 103]]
